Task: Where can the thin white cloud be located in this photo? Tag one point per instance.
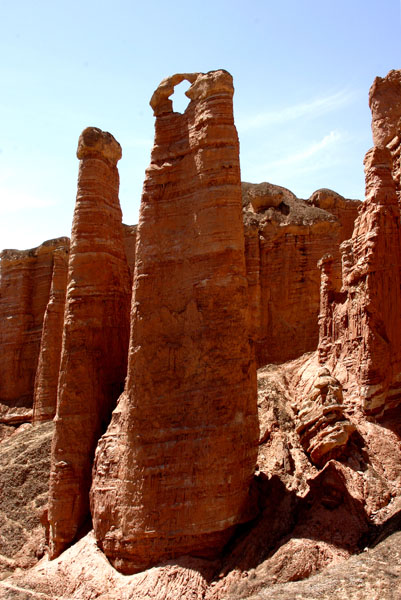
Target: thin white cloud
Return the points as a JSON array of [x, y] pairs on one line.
[[311, 108], [314, 149]]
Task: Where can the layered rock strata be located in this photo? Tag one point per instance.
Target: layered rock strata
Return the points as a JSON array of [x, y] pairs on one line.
[[45, 396], [172, 473], [25, 280], [360, 325], [284, 238], [321, 424], [385, 104], [95, 336]]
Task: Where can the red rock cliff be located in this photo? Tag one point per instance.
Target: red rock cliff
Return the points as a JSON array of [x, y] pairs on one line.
[[45, 397], [284, 239], [385, 104], [172, 472], [95, 336], [24, 294], [360, 326]]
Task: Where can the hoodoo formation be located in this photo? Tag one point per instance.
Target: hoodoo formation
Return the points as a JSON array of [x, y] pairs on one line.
[[225, 278], [179, 486], [360, 325], [95, 336]]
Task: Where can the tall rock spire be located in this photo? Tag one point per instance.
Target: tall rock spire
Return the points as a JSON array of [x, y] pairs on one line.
[[360, 326], [95, 336], [172, 473]]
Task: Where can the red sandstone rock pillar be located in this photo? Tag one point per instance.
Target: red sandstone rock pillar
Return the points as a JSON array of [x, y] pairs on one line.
[[95, 337], [45, 398], [172, 473], [385, 104], [24, 294], [366, 322]]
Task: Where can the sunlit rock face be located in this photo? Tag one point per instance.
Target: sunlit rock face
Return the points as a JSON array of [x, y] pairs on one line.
[[172, 473], [360, 324], [47, 373], [285, 237], [95, 335], [25, 282], [385, 104]]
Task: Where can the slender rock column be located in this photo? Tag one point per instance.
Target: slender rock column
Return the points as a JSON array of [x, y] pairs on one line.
[[25, 281], [172, 473], [45, 397], [95, 336]]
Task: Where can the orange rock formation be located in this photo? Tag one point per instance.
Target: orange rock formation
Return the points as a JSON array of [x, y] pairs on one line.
[[45, 397], [172, 472], [284, 239], [95, 336], [25, 279], [385, 104], [360, 325]]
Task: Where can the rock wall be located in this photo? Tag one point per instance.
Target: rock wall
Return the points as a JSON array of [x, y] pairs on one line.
[[24, 294], [360, 325], [45, 396], [385, 104], [172, 472], [284, 239], [95, 335]]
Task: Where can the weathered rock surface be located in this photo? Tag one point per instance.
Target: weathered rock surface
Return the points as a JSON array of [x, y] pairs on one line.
[[360, 325], [95, 336], [24, 475], [323, 429], [129, 245], [25, 280], [385, 104], [179, 486], [284, 239], [47, 373], [309, 519]]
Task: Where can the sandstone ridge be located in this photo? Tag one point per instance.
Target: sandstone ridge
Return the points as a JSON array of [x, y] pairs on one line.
[[238, 429]]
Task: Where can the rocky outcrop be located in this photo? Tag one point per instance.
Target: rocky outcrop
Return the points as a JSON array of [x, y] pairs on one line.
[[95, 336], [360, 325], [24, 475], [385, 104], [343, 209], [309, 518], [45, 397], [180, 485], [24, 294], [323, 429], [284, 239]]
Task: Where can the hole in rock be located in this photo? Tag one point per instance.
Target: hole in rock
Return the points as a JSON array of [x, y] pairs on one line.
[[180, 100]]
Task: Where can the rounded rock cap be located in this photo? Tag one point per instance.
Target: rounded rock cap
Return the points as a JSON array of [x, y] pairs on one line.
[[95, 143]]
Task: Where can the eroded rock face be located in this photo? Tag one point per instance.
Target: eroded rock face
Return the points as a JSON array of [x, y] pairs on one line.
[[24, 294], [385, 104], [172, 473], [284, 239], [45, 396], [360, 325], [321, 424], [95, 336]]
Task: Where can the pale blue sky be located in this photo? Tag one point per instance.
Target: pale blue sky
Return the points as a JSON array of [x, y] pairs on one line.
[[302, 71]]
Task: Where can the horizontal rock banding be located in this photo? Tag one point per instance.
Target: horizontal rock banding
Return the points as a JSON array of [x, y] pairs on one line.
[[95, 335], [172, 472]]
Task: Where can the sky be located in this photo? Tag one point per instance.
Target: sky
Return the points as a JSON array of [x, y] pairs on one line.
[[302, 71]]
